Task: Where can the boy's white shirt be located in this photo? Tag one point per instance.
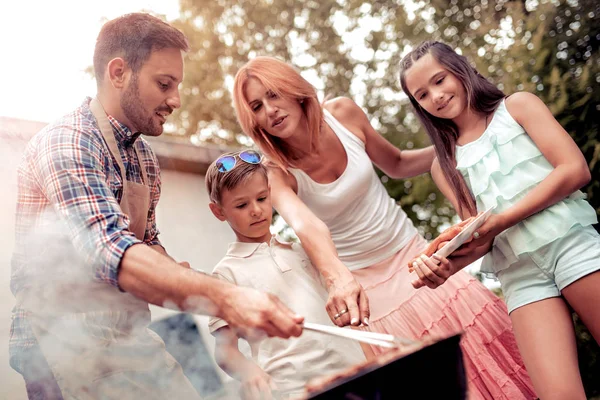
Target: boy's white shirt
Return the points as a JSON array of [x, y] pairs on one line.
[[285, 270]]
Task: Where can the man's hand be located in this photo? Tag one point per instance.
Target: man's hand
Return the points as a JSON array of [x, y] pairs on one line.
[[348, 303], [252, 314]]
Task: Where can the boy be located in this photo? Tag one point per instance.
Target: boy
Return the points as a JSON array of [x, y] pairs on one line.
[[239, 192]]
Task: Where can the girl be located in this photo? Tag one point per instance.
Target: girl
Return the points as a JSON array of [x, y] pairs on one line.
[[323, 184], [510, 153]]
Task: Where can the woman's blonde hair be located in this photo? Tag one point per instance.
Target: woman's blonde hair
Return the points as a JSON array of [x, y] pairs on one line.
[[283, 80]]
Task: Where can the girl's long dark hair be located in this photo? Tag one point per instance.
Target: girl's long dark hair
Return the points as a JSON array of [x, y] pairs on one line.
[[482, 97]]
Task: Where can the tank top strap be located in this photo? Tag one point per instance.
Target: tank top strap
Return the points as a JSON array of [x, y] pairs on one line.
[[346, 137], [302, 180]]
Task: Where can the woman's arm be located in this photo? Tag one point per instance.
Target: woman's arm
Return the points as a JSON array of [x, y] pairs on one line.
[[570, 173], [345, 293], [394, 162], [256, 383]]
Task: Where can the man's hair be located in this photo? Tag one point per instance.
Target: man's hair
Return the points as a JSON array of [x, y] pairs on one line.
[[217, 182], [134, 37]]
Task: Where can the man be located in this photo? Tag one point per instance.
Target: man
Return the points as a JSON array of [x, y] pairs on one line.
[[88, 259]]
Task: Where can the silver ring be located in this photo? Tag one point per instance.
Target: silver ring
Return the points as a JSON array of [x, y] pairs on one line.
[[336, 316], [476, 235]]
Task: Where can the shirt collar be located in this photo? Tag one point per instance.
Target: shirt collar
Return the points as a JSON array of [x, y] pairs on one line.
[[123, 134], [245, 249]]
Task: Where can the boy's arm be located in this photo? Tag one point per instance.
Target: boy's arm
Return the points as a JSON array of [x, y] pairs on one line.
[[256, 383], [228, 355]]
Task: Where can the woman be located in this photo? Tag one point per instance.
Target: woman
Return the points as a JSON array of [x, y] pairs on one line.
[[324, 186]]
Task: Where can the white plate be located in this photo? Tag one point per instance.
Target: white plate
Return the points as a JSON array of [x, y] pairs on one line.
[[464, 235]]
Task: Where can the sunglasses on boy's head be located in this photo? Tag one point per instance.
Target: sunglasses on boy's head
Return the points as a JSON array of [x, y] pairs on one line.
[[227, 163]]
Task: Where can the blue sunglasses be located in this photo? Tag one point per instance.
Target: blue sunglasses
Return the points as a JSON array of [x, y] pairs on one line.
[[227, 163]]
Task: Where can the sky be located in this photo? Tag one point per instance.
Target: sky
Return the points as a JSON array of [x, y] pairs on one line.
[[45, 47]]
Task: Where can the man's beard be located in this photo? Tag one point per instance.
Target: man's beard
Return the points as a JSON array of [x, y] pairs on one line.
[[133, 109]]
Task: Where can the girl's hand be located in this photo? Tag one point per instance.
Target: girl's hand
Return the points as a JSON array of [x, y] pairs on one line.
[[494, 225], [257, 385], [431, 274]]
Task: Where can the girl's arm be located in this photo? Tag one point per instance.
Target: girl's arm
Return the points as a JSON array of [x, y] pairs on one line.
[[256, 383], [570, 173], [345, 293], [394, 162], [428, 273]]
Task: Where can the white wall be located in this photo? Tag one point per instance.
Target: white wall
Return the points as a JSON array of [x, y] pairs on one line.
[[188, 231]]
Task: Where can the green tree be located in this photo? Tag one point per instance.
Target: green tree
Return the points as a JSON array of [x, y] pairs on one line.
[[547, 47]]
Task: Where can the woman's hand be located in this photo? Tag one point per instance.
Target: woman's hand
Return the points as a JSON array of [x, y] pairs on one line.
[[348, 303], [257, 385]]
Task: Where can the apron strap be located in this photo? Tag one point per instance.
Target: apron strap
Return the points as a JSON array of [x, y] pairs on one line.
[[135, 198], [145, 180], [109, 137]]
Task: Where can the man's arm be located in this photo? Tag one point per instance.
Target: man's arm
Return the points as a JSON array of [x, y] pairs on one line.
[[161, 250], [157, 279], [70, 168]]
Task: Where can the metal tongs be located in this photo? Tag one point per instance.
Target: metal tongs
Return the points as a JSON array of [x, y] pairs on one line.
[[374, 338]]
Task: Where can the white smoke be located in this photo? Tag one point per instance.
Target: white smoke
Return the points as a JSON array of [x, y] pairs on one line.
[[58, 287]]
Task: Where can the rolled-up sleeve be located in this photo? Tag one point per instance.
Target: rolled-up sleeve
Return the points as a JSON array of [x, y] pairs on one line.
[[71, 170]]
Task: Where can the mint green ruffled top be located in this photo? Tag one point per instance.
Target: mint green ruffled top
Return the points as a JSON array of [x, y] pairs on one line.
[[500, 168]]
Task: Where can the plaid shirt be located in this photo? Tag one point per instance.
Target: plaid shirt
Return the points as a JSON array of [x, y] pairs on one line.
[[69, 188]]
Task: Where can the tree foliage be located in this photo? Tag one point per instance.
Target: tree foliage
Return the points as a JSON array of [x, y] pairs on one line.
[[352, 48]]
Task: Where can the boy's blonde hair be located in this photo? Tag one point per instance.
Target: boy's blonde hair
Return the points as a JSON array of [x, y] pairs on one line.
[[217, 182]]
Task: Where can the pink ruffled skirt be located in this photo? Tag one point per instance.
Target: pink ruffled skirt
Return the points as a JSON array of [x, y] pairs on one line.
[[462, 304]]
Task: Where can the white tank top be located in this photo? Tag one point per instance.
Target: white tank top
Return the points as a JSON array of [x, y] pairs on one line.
[[366, 224]]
